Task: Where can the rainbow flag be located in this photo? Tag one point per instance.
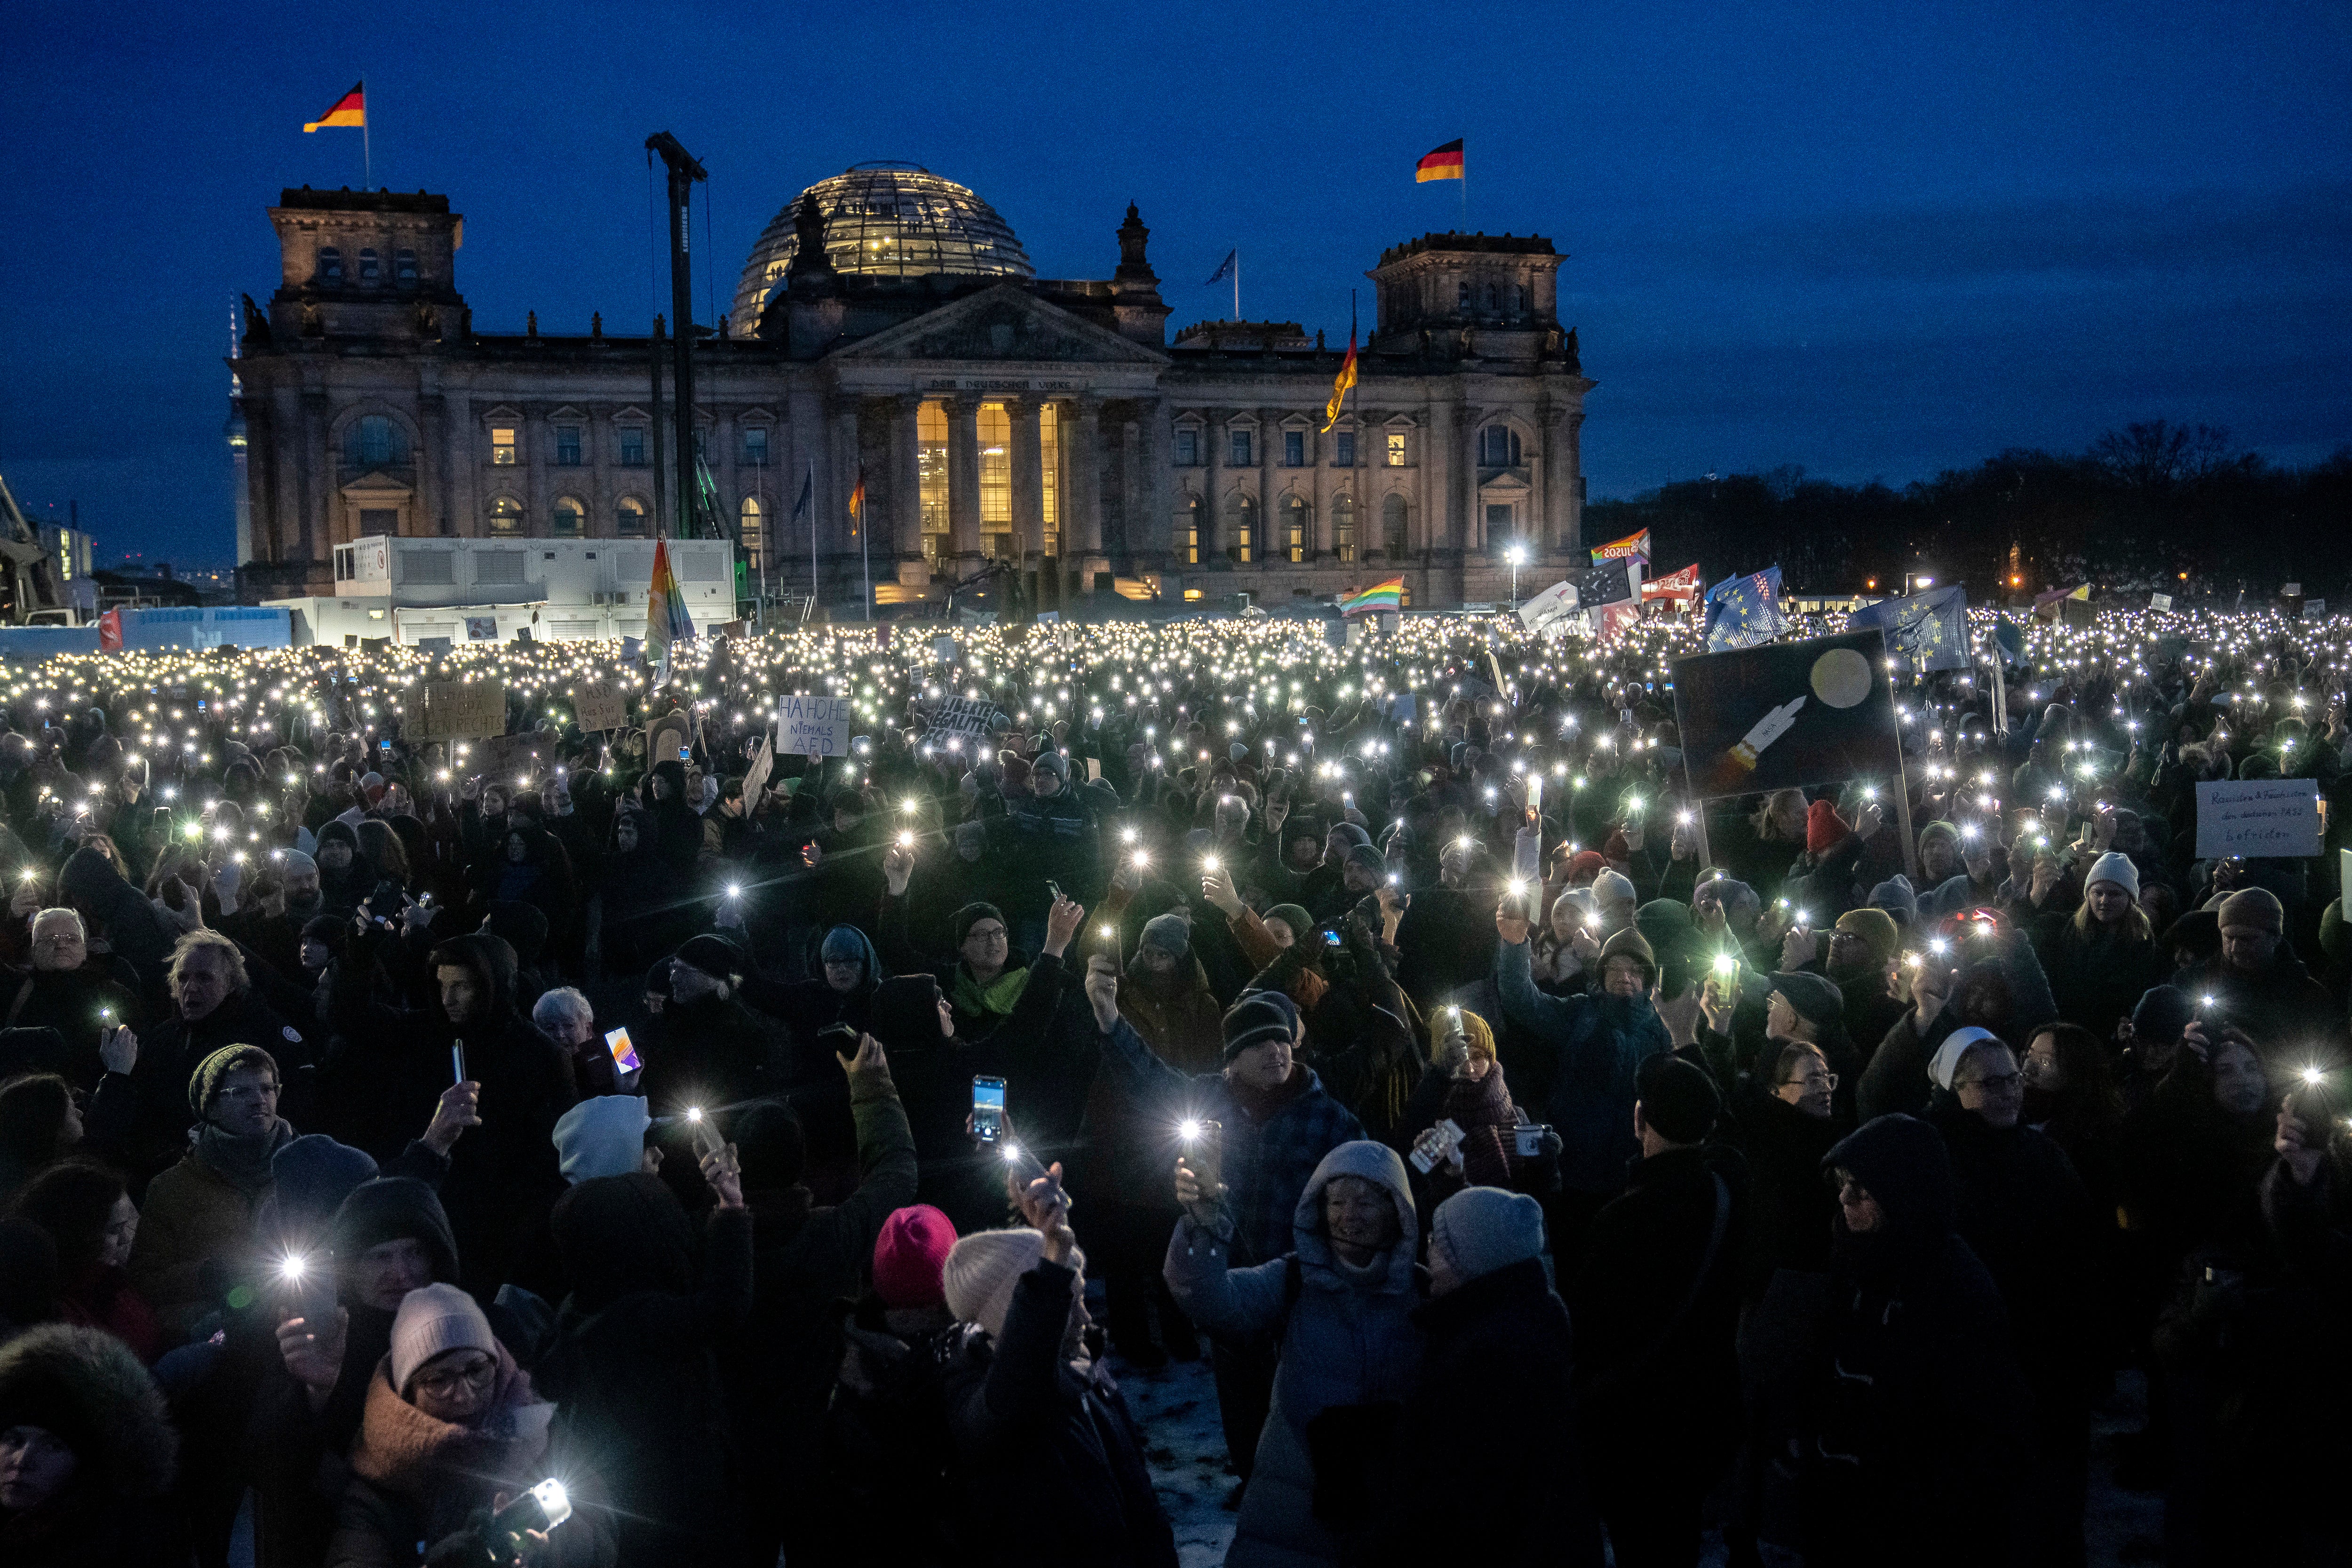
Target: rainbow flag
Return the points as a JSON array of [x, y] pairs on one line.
[[349, 110], [1443, 164], [666, 620], [1388, 596], [1633, 545]]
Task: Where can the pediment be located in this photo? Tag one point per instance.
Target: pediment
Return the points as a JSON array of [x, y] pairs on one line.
[[375, 485], [1005, 324]]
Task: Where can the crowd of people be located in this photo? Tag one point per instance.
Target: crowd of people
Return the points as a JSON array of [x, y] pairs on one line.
[[644, 1146]]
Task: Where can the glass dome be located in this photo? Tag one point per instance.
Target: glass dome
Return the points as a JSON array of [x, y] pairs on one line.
[[885, 220]]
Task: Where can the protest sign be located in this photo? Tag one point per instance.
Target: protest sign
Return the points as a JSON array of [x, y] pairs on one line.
[[1786, 715], [453, 710], [481, 629], [2258, 818], [512, 758], [2159, 601], [600, 705], [813, 726], [963, 716]]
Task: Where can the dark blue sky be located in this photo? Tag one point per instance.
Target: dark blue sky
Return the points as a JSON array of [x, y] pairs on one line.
[[1872, 240]]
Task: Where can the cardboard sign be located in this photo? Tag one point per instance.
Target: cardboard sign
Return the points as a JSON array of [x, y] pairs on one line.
[[453, 710], [481, 629], [963, 716], [813, 726], [508, 759], [2258, 818], [2315, 607], [1786, 715], [600, 704]]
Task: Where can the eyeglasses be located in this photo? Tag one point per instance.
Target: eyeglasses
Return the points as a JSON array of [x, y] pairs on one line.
[[1809, 1079], [985, 933], [477, 1373]]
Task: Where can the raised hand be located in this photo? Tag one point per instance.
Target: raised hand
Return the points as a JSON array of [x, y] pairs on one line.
[[1062, 922], [869, 1071], [459, 1108]]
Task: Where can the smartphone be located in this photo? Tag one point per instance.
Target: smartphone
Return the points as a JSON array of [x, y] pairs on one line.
[[1333, 939], [1054, 888], [1436, 1146], [686, 753], [1527, 1139], [987, 1108], [625, 1055], [1205, 1153], [306, 1288], [457, 1059]]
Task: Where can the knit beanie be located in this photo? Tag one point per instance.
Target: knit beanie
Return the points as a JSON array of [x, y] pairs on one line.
[[960, 923], [1477, 1032], [205, 1081], [1171, 934], [295, 861], [310, 1178], [1823, 831], [771, 1145], [1613, 887], [1481, 1229], [433, 1320], [1898, 899], [396, 1208], [1946, 1060], [1293, 916], [1054, 762], [1259, 1018], [982, 1268], [1876, 927], [909, 1254], [1355, 836], [846, 945], [2252, 908], [1630, 943], [1677, 1099], [603, 1136], [2163, 1015], [1817, 1000], [1585, 863], [713, 955], [2117, 868], [1369, 859]]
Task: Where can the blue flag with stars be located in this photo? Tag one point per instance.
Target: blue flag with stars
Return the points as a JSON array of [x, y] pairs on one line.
[[1225, 269], [1924, 631], [1745, 612]]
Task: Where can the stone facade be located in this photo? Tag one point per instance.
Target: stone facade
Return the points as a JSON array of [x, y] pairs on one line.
[[1048, 422]]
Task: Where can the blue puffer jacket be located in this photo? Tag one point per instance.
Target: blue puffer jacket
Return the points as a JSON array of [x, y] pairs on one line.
[[1597, 1043], [1347, 1339]]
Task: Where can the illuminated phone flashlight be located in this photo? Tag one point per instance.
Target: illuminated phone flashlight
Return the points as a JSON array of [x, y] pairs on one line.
[[1189, 1131], [1725, 963], [292, 1267], [1208, 862], [1012, 1153], [1517, 886]]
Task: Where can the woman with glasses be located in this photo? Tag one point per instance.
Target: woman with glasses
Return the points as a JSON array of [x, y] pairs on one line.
[[451, 1431], [2028, 1216]]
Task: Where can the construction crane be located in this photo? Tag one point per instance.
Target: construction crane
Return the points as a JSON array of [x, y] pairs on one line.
[[28, 583]]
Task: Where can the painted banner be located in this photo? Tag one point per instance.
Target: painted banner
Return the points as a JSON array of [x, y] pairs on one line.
[[1786, 715]]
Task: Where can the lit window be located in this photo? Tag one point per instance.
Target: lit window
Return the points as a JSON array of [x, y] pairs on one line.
[[1192, 533], [371, 269], [995, 481], [1187, 446], [1343, 449], [932, 476], [1396, 448], [1294, 448], [506, 516], [331, 266], [568, 521], [567, 445], [1237, 443], [755, 444], [1245, 529], [1294, 528], [755, 539], [633, 445], [1343, 527], [502, 445], [629, 520], [1049, 492]]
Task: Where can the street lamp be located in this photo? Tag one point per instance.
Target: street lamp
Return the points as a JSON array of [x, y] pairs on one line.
[[1518, 556]]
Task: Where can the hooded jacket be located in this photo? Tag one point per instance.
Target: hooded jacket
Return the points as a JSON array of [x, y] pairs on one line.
[[1597, 1043], [1184, 1025], [132, 927], [85, 1386], [1347, 1339]]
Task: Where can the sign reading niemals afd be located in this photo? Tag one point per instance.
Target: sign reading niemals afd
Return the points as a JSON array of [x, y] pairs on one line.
[[812, 726], [2258, 818]]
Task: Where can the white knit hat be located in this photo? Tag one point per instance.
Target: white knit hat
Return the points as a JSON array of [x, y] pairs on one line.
[[432, 1319], [982, 1268], [2115, 866]]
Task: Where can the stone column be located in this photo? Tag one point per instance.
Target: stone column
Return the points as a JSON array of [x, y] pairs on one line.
[[1571, 481], [729, 484], [318, 498], [460, 463], [1082, 481], [841, 445], [1026, 450], [1216, 522], [1154, 478], [964, 483], [1274, 540], [906, 491]]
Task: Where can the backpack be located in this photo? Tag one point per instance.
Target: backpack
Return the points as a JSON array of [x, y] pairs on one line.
[[885, 1449]]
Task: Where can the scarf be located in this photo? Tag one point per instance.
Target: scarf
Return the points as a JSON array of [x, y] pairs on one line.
[[995, 999], [240, 1159]]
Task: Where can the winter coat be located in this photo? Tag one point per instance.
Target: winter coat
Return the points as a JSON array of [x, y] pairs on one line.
[[1595, 1044], [1271, 1145], [76, 1004], [1512, 1493], [2098, 977], [1347, 1338], [1917, 1414], [1182, 1025], [115, 1512], [711, 1051], [2282, 1010], [194, 1228], [1490, 1120], [1790, 1209], [1052, 839], [1038, 1441], [142, 1120], [134, 928]]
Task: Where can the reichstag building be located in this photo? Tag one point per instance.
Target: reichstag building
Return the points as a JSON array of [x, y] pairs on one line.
[[889, 329]]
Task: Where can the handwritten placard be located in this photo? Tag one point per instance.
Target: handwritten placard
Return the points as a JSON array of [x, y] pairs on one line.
[[964, 716], [2258, 818], [600, 704], [813, 726], [453, 710]]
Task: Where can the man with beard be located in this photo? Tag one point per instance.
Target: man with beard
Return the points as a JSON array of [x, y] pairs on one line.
[[277, 939]]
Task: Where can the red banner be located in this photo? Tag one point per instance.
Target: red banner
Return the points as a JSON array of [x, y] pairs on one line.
[[1682, 585], [110, 632]]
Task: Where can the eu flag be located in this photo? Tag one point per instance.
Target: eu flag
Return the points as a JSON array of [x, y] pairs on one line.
[[1745, 612], [1225, 269], [1924, 631]]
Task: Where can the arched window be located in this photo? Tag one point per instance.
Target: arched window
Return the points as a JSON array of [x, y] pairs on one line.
[[1392, 526], [1494, 302], [1499, 447], [755, 540], [1343, 527], [629, 519], [1518, 300], [568, 521], [371, 269], [1245, 529], [1294, 529], [331, 266], [374, 441], [506, 517], [1461, 300], [404, 267]]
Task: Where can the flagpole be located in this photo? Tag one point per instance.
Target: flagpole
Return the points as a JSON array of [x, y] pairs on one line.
[[864, 545], [812, 512], [1237, 283]]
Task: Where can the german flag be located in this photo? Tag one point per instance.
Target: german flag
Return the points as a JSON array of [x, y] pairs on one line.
[[1444, 163], [857, 499], [1341, 382], [349, 110]]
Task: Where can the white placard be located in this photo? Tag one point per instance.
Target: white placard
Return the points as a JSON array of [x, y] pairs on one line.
[[2315, 607], [2259, 818], [813, 726], [2159, 601]]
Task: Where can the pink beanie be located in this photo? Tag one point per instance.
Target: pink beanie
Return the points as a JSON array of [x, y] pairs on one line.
[[909, 1254]]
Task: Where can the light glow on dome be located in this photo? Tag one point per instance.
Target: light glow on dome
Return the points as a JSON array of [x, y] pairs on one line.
[[885, 220]]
